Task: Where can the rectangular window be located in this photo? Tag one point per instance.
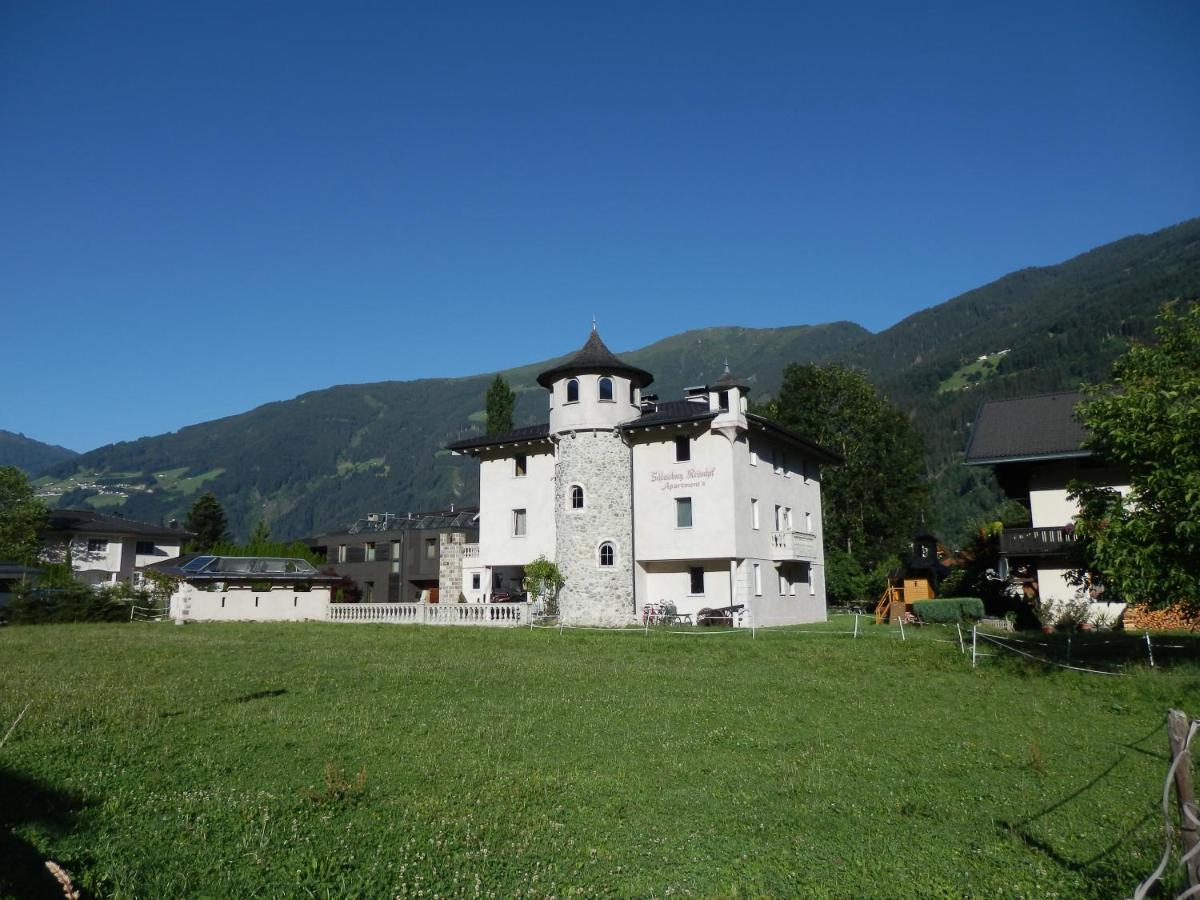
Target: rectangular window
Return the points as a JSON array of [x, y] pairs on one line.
[[808, 522], [368, 592], [778, 517], [475, 579], [683, 512], [754, 513], [757, 580], [518, 523], [431, 548], [97, 545], [341, 553], [395, 556], [683, 449], [723, 401], [520, 465], [696, 580], [145, 548], [369, 551]]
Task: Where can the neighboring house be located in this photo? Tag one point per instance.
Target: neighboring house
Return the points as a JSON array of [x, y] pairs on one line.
[[397, 559], [695, 502], [246, 588], [107, 549], [1035, 445]]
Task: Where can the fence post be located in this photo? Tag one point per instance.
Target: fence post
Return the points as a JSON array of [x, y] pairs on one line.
[[958, 628], [902, 637], [1189, 815], [1149, 649], [856, 626], [974, 639]]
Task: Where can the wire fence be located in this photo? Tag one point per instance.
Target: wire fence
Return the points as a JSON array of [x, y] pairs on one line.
[[1178, 777]]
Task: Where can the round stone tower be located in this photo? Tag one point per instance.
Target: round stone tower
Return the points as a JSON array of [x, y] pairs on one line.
[[590, 396]]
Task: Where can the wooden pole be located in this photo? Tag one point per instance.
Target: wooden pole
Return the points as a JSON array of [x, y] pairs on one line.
[[856, 626], [1149, 649], [902, 637], [958, 628], [1189, 814], [973, 645]]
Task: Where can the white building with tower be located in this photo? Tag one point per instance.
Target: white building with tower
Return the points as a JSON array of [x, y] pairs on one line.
[[693, 502]]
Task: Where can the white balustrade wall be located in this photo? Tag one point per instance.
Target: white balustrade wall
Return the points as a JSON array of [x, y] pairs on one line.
[[495, 615]]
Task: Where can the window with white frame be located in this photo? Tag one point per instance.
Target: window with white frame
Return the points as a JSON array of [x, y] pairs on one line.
[[757, 569], [369, 551], [573, 390], [696, 581], [606, 389], [778, 517], [576, 496], [431, 548], [723, 401], [519, 523], [97, 545], [341, 553], [476, 578], [520, 465], [608, 555], [754, 513], [683, 512]]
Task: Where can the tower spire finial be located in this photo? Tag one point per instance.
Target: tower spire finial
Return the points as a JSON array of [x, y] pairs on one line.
[[593, 321], [727, 365]]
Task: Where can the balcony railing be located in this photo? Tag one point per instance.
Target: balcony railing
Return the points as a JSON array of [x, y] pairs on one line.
[[470, 551], [495, 615], [794, 546], [1036, 541]]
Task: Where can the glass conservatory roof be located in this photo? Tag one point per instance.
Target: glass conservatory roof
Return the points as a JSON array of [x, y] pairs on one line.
[[248, 565]]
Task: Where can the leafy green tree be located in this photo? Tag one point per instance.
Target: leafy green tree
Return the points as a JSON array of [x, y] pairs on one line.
[[261, 533], [500, 403], [206, 519], [1145, 545], [22, 517], [543, 580], [845, 580], [875, 500]]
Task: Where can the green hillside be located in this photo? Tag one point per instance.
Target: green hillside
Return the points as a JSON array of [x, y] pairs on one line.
[[32, 457], [323, 459]]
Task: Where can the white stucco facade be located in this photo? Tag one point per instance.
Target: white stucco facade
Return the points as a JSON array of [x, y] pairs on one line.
[[282, 603], [692, 503]]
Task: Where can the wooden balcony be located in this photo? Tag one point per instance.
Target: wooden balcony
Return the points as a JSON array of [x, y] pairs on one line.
[[794, 546], [1036, 541]]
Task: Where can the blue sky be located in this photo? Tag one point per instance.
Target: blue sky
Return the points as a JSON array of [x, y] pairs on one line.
[[205, 207]]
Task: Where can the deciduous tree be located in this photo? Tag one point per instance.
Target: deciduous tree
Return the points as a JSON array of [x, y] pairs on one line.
[[500, 403], [1146, 545], [874, 501], [22, 517]]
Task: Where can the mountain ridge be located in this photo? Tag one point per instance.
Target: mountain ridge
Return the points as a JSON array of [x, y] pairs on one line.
[[325, 457]]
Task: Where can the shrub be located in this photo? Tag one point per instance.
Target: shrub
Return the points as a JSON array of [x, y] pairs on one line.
[[949, 609]]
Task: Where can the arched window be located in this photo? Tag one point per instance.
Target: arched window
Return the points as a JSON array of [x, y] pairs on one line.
[[606, 389], [608, 555], [576, 496], [573, 390]]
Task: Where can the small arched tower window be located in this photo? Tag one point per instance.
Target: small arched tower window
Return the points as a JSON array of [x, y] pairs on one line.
[[573, 390], [576, 496], [606, 388], [608, 555]]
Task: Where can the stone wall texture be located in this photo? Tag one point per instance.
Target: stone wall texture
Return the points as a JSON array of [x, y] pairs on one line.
[[599, 461], [450, 577]]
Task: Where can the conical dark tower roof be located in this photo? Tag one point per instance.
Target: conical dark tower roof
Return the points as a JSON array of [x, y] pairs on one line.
[[728, 380], [594, 357]]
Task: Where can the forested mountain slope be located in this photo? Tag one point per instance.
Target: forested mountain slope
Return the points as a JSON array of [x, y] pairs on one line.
[[323, 459], [32, 457]]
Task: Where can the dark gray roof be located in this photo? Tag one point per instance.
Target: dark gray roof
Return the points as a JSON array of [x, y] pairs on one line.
[[728, 380], [595, 357], [85, 521], [517, 435], [1027, 428], [670, 413], [821, 454], [460, 520], [205, 567]]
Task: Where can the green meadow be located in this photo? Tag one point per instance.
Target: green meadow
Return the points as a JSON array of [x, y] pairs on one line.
[[237, 760]]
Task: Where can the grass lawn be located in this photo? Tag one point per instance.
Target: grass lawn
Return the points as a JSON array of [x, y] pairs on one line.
[[343, 760]]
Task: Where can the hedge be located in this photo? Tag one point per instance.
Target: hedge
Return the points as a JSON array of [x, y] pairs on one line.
[[949, 609]]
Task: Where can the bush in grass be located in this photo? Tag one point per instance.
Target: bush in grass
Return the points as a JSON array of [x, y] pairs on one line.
[[55, 596], [949, 609]]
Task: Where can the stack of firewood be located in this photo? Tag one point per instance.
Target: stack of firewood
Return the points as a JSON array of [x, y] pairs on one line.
[[1174, 618]]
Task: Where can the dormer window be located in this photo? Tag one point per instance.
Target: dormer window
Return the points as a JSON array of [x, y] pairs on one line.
[[606, 389], [573, 390]]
